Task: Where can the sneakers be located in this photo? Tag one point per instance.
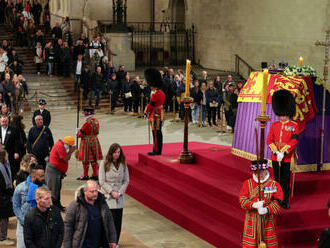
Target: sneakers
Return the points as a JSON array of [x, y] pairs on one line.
[[7, 242]]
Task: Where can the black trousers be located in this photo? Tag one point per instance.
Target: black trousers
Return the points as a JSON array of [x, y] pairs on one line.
[[127, 104], [282, 175], [136, 104], [117, 215], [158, 138], [212, 114]]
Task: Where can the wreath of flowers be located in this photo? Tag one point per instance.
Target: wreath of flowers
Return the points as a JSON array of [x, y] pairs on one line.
[[293, 70]]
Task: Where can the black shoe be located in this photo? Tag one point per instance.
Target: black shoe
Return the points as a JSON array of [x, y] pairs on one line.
[[96, 178], [82, 178], [285, 205], [153, 153]]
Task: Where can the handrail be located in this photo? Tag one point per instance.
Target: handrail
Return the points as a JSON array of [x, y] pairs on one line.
[[238, 61]]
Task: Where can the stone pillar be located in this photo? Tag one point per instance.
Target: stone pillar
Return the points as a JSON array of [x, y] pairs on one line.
[[120, 44]]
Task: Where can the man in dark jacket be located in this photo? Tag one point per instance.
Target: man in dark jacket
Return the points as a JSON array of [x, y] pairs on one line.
[[57, 32], [86, 80], [212, 103], [97, 85], [10, 142], [46, 117], [89, 221], [136, 94], [43, 224], [40, 141], [113, 88]]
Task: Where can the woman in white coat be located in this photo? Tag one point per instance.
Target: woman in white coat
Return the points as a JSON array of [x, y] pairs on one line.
[[113, 180]]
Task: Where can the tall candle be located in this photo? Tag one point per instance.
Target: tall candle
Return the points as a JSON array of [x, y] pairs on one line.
[[188, 67], [264, 92], [301, 61]]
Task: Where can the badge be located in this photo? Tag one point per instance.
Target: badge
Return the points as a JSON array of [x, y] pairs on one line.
[[289, 128], [269, 190]]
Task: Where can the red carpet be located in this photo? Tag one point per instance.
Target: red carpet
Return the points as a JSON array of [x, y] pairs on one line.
[[203, 197]]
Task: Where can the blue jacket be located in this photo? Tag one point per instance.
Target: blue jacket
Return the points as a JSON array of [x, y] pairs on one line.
[[20, 205]]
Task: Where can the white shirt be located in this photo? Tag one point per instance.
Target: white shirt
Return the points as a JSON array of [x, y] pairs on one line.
[[41, 111], [3, 134], [78, 68]]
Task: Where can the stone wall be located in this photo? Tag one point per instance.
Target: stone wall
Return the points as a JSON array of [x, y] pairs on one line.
[[271, 31]]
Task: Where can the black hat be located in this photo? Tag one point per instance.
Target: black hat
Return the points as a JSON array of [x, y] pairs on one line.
[[88, 110], [263, 164], [42, 102], [153, 77], [283, 103]]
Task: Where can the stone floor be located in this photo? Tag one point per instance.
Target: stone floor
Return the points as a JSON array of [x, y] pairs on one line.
[[142, 227]]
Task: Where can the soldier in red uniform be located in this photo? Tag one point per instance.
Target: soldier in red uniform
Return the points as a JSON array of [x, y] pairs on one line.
[[155, 108], [90, 149], [257, 208], [282, 140]]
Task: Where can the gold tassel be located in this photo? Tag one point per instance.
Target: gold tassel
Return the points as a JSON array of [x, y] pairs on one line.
[[262, 244]]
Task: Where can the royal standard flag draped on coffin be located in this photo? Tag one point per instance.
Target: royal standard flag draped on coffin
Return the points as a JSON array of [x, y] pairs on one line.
[[252, 90]]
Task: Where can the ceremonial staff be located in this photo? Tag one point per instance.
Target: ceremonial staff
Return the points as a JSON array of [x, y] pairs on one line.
[[79, 103], [262, 118]]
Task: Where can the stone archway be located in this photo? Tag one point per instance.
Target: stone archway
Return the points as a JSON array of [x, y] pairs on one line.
[[177, 9]]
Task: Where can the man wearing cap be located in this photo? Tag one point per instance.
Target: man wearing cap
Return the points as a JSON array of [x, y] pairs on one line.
[[58, 166], [40, 141], [282, 140], [90, 149], [155, 108], [260, 206], [43, 112]]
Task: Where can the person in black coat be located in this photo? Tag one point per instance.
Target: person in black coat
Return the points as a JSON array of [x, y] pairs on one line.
[[43, 224], [136, 94], [8, 91], [126, 93], [97, 86], [120, 75], [212, 103], [57, 32], [18, 125], [85, 81], [10, 142], [67, 57], [6, 193], [40, 147], [218, 86], [113, 88], [58, 49], [43, 112], [16, 68]]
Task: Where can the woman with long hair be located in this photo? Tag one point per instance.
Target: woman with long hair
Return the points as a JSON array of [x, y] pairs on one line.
[[25, 167], [113, 180]]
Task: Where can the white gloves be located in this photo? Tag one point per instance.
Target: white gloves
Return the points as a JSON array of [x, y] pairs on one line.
[[262, 211], [280, 156], [258, 204]]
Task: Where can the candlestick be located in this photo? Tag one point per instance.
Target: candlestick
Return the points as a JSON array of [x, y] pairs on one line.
[[301, 61], [188, 67], [264, 92]]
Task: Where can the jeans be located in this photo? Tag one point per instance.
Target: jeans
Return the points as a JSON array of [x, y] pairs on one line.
[[20, 236], [50, 68], [195, 113], [203, 107], [76, 81], [98, 96]]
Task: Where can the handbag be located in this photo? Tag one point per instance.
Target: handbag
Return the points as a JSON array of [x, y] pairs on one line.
[[192, 105], [213, 105], [128, 95]]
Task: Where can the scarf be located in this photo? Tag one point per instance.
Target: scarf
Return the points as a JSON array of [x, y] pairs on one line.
[[6, 173], [31, 192]]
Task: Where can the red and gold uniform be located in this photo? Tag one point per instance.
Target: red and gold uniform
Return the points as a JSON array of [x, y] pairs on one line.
[[156, 115], [271, 194], [283, 138], [90, 149]]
